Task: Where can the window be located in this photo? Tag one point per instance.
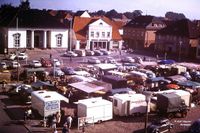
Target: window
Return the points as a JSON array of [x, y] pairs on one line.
[[108, 34], [16, 40], [92, 34], [103, 34], [59, 40], [97, 34]]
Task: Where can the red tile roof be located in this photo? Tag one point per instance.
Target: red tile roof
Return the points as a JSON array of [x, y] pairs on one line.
[[80, 27]]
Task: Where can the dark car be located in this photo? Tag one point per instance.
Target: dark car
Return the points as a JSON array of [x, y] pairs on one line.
[[195, 127], [158, 126], [68, 70]]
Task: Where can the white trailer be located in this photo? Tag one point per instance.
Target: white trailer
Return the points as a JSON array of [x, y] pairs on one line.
[[47, 102], [96, 109], [129, 104]]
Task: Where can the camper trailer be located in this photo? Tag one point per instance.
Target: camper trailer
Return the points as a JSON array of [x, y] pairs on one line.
[[97, 109], [129, 104], [46, 103]]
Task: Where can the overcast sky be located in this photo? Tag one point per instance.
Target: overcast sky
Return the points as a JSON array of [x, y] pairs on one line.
[[190, 8]]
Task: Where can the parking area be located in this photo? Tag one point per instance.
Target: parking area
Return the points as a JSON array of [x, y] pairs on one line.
[[95, 67]]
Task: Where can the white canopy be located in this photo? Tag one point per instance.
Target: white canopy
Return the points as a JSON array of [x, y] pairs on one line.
[[89, 87]]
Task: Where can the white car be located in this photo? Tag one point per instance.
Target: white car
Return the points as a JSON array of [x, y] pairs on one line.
[[110, 60], [128, 59], [3, 65], [57, 72], [56, 63], [94, 60], [14, 64], [70, 54], [35, 63], [12, 56], [22, 56]]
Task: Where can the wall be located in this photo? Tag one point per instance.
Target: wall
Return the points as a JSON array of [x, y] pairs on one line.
[[64, 38], [11, 32]]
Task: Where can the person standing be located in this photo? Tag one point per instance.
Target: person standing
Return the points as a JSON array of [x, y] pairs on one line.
[[69, 121], [53, 122], [65, 129]]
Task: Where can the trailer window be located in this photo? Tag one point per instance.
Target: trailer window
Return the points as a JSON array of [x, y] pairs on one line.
[[115, 102]]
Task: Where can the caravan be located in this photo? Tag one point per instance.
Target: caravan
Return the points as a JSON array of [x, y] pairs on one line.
[[129, 104], [95, 109]]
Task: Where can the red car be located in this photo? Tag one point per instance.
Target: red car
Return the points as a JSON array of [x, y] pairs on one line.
[[45, 62]]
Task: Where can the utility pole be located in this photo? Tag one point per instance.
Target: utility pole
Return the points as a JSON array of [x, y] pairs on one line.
[[17, 53]]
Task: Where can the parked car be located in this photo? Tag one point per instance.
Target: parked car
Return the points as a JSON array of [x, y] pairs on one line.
[[3, 65], [14, 64], [158, 126], [80, 52], [57, 72], [128, 59], [94, 60], [45, 62], [195, 127], [12, 56], [25, 93], [68, 70], [98, 53], [22, 56], [70, 54], [110, 60], [105, 52], [56, 63], [89, 53], [35, 63]]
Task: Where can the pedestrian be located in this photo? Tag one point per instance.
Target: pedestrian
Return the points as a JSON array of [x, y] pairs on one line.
[[55, 130], [83, 127], [53, 122], [69, 121], [50, 56], [65, 129], [58, 117]]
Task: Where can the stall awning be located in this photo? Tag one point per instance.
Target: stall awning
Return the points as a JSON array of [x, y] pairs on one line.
[[87, 87], [40, 83]]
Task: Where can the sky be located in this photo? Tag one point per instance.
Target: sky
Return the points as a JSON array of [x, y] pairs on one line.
[[190, 8]]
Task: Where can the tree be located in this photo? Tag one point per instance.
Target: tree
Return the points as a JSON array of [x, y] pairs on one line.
[[112, 14], [100, 13], [134, 14], [24, 5], [175, 16]]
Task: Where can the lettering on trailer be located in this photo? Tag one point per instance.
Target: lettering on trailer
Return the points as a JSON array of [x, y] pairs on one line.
[[52, 105]]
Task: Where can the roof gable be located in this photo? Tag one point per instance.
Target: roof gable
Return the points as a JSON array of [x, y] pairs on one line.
[[80, 26], [29, 19], [99, 22], [140, 22]]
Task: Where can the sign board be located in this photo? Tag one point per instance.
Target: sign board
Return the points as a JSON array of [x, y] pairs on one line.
[[52, 105]]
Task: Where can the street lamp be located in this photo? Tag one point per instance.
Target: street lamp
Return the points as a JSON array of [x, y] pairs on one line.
[[179, 52], [70, 35], [148, 95]]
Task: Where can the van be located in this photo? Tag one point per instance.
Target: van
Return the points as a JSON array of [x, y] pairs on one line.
[[27, 73], [80, 52]]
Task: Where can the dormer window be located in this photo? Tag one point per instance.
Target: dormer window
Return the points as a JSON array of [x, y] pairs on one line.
[[59, 40], [16, 40]]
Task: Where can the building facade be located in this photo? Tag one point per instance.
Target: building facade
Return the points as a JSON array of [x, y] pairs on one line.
[[96, 33], [179, 38], [139, 33], [32, 29]]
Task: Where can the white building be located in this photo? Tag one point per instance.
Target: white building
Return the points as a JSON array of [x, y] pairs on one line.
[[32, 29], [95, 33]]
